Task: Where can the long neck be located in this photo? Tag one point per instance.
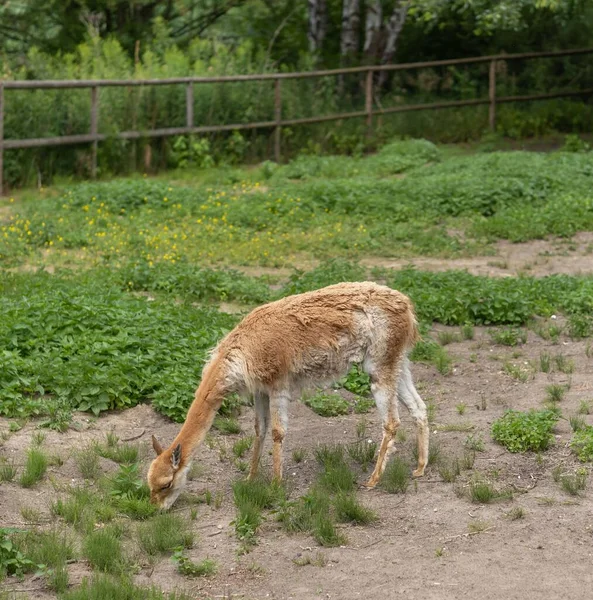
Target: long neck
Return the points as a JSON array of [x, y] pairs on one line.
[[207, 401]]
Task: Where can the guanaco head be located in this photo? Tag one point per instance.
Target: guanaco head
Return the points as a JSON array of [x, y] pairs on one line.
[[167, 475]]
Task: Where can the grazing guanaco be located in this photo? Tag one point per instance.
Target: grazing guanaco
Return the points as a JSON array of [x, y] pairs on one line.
[[285, 345]]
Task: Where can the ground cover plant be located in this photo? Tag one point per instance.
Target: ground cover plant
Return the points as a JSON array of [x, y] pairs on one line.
[[137, 223], [522, 431]]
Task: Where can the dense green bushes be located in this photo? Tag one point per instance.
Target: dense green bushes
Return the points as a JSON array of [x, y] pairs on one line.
[[82, 343]]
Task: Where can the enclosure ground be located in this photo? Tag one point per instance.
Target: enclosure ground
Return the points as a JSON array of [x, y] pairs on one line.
[[430, 542]]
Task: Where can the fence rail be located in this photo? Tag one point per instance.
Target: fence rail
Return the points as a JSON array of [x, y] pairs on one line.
[[94, 137]]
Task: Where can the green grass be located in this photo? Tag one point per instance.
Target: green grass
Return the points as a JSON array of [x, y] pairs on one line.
[[227, 425], [87, 461], [483, 492], [563, 364], [299, 455], [396, 477], [364, 449], [555, 392], [103, 587], [449, 469], [164, 533], [34, 469], [124, 454], [350, 510], [7, 471], [474, 443], [103, 549], [241, 446], [251, 498], [544, 362]]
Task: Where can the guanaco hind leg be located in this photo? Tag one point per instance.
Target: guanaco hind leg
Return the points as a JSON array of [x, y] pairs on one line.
[[409, 396], [384, 392], [383, 388]]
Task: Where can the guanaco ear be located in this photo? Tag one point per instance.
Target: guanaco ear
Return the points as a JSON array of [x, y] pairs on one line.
[[157, 447], [176, 456]]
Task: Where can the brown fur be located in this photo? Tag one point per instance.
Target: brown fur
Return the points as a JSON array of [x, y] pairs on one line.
[[283, 345]]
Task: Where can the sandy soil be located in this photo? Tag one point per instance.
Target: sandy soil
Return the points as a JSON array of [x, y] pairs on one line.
[[422, 547]]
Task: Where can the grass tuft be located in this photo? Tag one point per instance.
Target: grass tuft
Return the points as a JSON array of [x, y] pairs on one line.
[[396, 477], [103, 549], [164, 533], [35, 468], [350, 510]]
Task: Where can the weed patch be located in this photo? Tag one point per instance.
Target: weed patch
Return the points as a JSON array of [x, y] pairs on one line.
[[327, 405], [523, 431]]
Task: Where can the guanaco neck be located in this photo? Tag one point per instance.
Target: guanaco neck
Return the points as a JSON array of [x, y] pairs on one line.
[[207, 401]]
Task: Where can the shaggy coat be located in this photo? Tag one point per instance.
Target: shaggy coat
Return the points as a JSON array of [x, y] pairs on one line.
[[285, 345]]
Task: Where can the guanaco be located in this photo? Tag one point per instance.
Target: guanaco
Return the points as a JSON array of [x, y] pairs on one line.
[[285, 345]]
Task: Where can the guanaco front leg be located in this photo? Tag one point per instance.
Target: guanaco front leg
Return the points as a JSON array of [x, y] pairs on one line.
[[262, 418], [279, 414]]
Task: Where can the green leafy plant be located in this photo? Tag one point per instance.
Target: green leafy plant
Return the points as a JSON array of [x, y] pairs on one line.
[[357, 381], [189, 568], [582, 443], [525, 431], [327, 405], [12, 560]]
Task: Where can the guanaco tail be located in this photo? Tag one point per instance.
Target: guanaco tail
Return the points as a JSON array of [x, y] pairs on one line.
[[285, 345]]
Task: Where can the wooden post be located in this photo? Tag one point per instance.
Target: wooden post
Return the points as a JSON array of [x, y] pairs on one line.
[[492, 96], [189, 105], [1, 138], [94, 128], [368, 106], [277, 118]]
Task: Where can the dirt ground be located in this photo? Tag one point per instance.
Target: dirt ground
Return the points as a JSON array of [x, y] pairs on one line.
[[423, 546]]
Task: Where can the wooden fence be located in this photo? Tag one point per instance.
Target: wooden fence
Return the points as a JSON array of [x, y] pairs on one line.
[[93, 137]]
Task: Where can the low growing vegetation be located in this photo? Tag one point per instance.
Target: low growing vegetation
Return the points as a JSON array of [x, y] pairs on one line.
[[525, 431]]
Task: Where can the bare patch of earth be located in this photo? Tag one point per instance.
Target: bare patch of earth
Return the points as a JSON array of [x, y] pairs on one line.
[[536, 258]]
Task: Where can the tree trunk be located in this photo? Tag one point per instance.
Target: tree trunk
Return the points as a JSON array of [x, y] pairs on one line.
[[350, 29], [372, 31], [317, 24], [394, 27]]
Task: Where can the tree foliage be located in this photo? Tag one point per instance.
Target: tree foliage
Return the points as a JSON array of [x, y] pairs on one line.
[[333, 31]]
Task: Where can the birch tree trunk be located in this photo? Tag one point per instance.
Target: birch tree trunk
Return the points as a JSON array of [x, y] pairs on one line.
[[317, 24], [350, 29], [393, 29], [372, 30]]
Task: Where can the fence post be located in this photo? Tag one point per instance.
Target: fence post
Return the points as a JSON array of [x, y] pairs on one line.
[[492, 96], [94, 128], [368, 105], [1, 138], [189, 105]]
